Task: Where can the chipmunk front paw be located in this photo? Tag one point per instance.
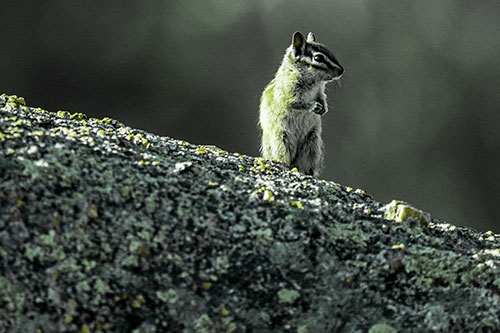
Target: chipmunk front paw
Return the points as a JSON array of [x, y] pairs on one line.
[[318, 108]]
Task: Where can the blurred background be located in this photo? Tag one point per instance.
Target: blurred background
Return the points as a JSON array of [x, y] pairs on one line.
[[415, 117]]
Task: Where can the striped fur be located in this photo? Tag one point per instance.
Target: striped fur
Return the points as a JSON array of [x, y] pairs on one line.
[[293, 103]]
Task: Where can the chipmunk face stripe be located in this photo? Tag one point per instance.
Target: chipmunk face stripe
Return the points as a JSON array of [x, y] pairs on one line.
[[318, 56]]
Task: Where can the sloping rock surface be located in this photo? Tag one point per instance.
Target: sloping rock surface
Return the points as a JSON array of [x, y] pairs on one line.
[[106, 228]]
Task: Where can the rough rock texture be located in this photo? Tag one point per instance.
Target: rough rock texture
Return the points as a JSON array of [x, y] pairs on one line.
[[105, 228]]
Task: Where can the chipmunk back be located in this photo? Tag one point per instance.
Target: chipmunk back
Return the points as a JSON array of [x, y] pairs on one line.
[[292, 105]]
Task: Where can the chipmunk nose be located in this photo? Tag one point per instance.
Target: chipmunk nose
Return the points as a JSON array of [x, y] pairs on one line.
[[340, 71]]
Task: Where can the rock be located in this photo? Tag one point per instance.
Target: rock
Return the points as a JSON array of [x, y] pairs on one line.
[[106, 228]]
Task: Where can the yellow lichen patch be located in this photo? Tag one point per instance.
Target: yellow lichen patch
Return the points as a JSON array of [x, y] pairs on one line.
[[14, 101], [493, 252], [57, 219], [267, 194], [262, 165], [106, 120], [68, 318], [398, 246], [63, 114], [359, 191], [399, 211], [137, 139], [78, 116], [20, 101], [121, 297], [36, 133], [201, 151], [102, 325], [490, 236], [297, 204], [85, 329], [222, 152], [138, 302], [93, 214]]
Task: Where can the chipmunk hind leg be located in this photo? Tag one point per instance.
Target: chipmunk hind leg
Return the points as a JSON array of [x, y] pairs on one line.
[[309, 156]]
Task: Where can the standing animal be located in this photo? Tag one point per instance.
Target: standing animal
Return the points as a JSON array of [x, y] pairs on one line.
[[293, 102]]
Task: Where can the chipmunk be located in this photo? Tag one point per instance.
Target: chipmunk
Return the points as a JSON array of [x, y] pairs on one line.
[[292, 104]]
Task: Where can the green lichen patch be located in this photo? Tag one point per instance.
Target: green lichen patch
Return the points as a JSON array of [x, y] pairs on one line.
[[288, 296], [107, 228], [382, 328]]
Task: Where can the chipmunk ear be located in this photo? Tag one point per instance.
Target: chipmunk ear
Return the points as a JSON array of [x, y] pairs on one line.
[[298, 43], [311, 38]]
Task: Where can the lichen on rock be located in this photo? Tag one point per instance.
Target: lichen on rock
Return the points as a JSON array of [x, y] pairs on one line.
[[106, 228]]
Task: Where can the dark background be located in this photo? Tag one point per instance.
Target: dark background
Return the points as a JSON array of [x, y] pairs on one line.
[[415, 116]]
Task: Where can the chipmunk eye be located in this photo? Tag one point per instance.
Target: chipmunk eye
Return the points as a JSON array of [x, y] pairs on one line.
[[319, 58]]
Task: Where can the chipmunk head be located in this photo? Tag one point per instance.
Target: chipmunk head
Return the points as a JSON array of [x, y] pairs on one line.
[[313, 59]]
